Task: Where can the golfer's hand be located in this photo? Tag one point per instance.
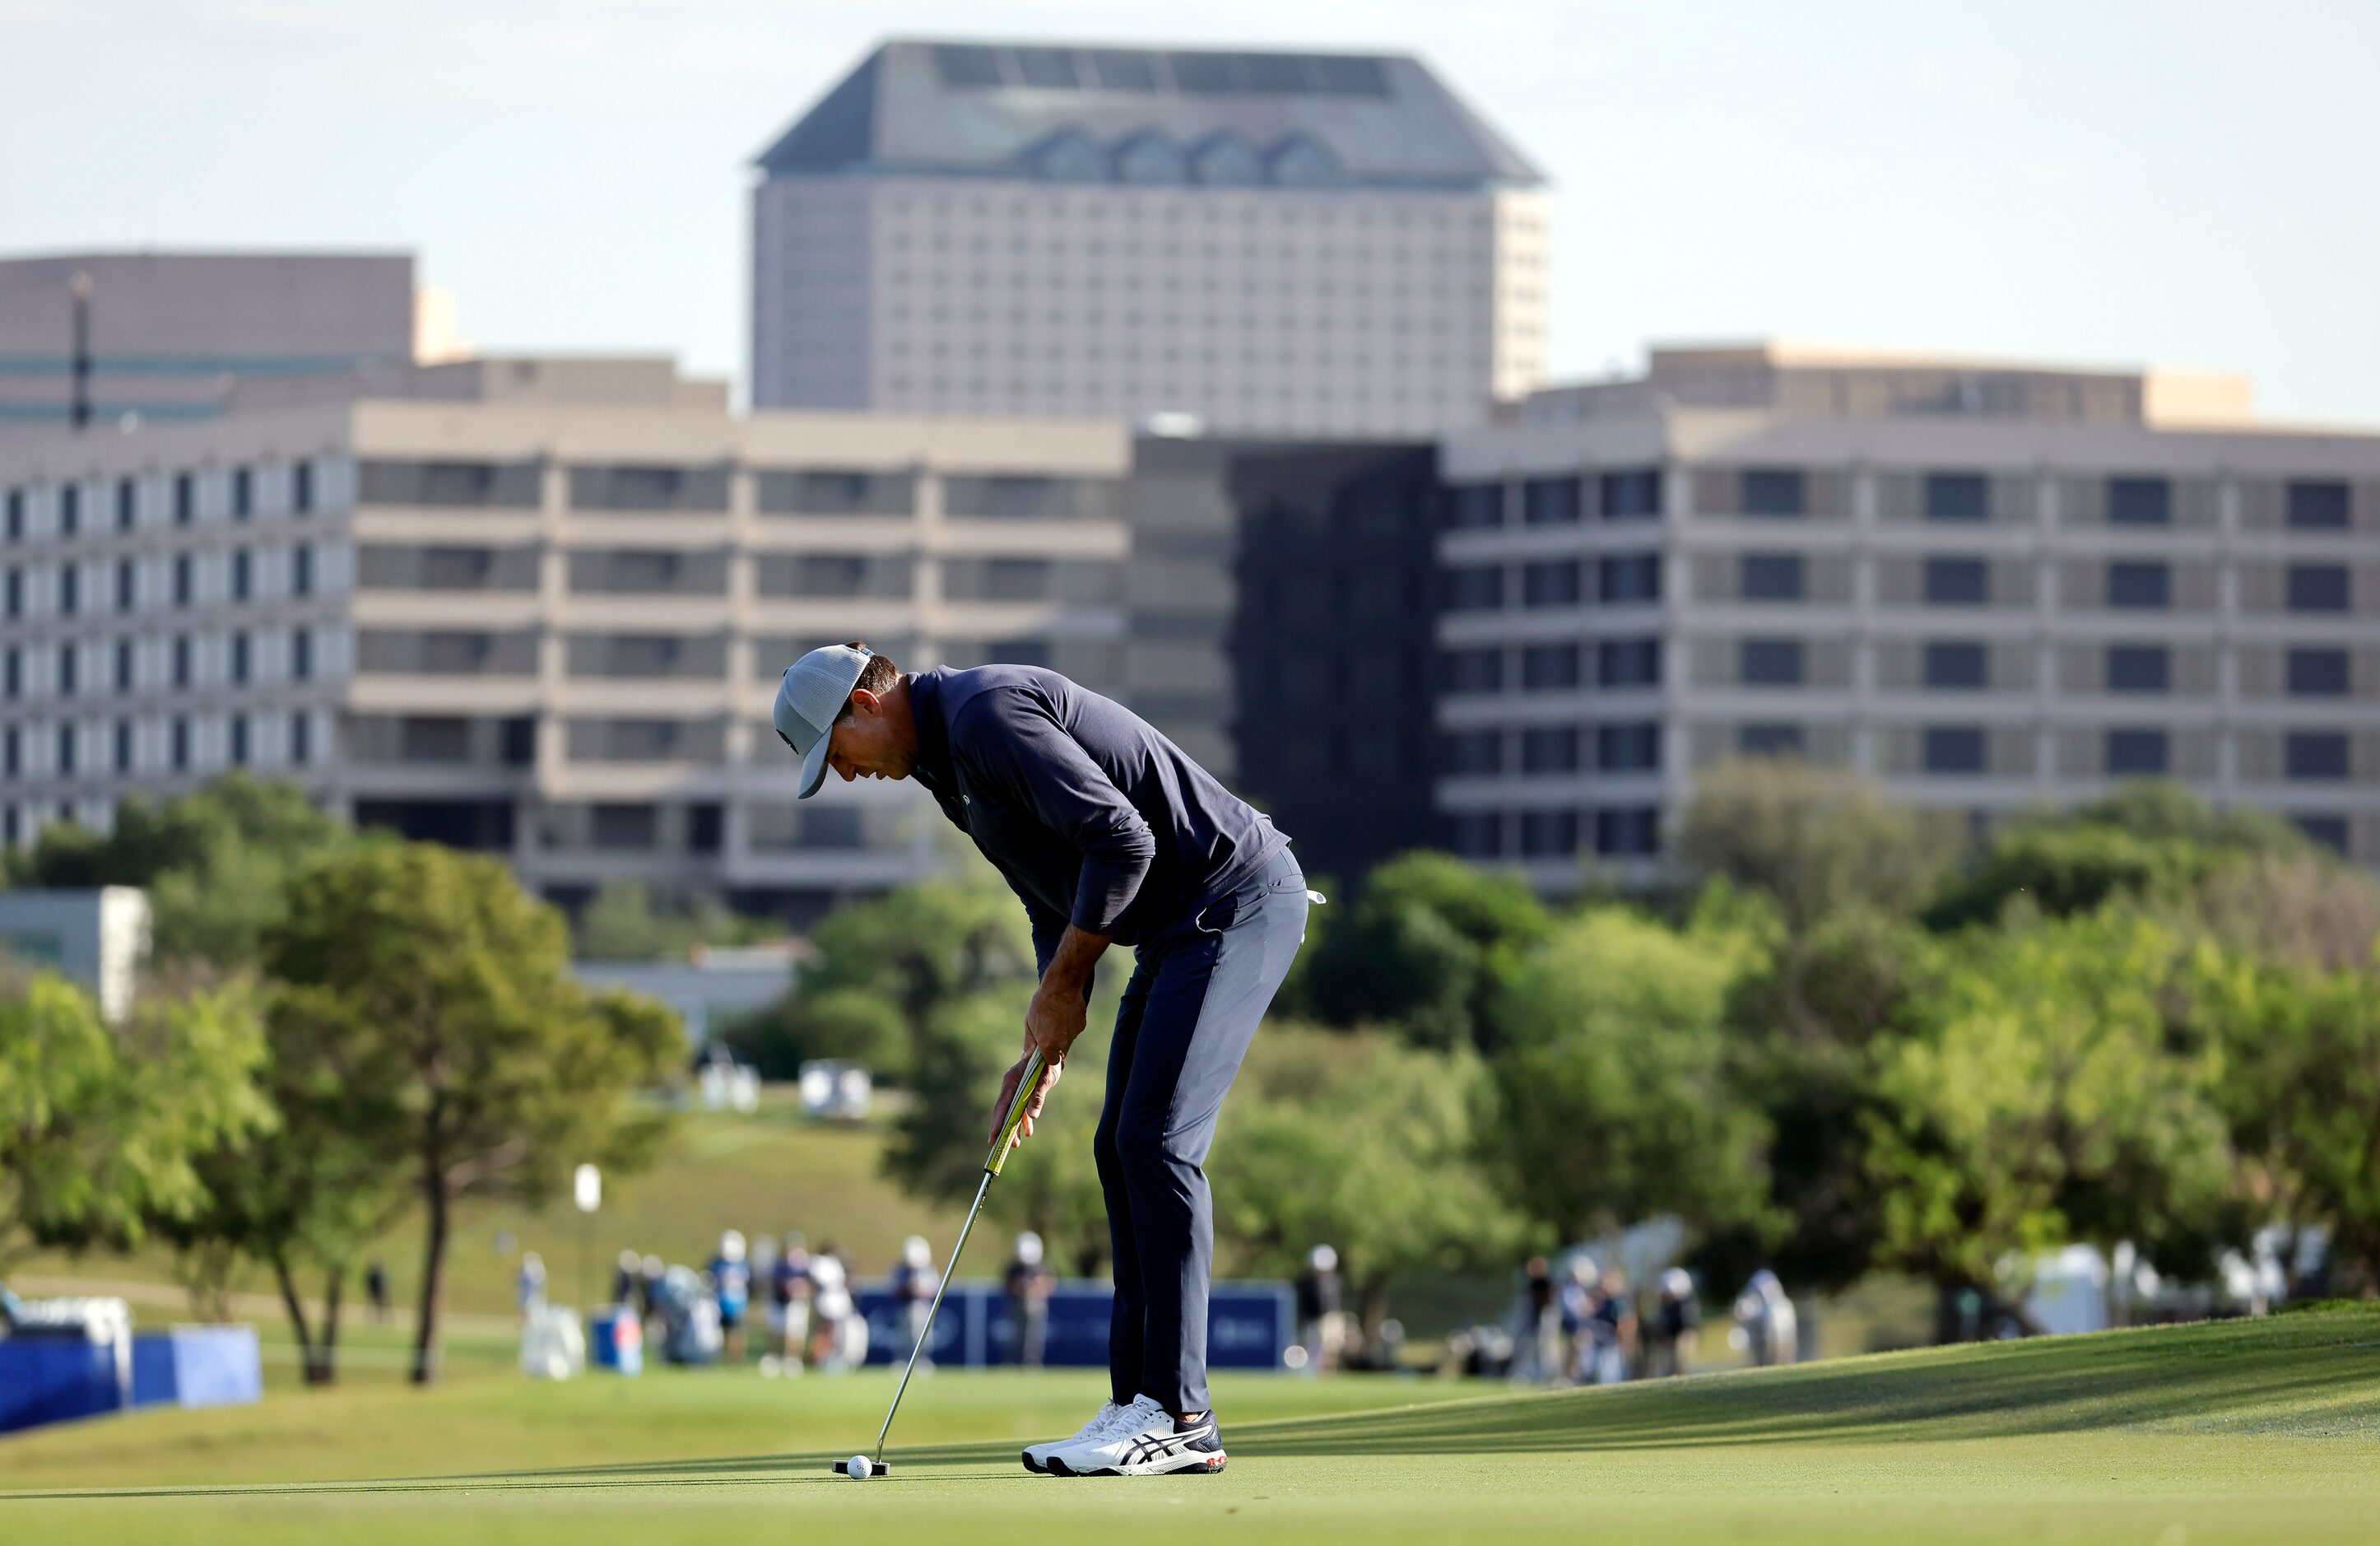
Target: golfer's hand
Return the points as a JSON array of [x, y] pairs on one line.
[[1054, 1019], [1049, 1082]]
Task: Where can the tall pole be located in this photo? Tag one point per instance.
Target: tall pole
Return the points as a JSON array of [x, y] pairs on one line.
[[79, 413]]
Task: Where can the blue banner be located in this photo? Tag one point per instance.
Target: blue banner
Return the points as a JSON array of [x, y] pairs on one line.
[[1249, 1325]]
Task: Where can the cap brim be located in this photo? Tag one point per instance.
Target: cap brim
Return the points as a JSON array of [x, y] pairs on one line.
[[814, 766]]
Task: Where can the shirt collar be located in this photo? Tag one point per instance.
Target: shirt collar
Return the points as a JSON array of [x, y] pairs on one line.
[[933, 769]]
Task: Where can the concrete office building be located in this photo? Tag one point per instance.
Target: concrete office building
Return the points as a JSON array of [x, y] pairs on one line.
[[1276, 244], [162, 335], [540, 607], [1982, 586]]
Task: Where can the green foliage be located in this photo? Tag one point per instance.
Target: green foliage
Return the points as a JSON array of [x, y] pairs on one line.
[[1611, 1102], [925, 944], [621, 922], [437, 993], [213, 862], [1811, 840], [850, 1023], [102, 1129], [1425, 949], [1363, 1144]]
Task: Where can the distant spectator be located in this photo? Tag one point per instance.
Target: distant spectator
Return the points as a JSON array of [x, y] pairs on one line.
[[830, 1307], [1536, 1331], [789, 1302], [1676, 1325], [628, 1281], [731, 1279], [1613, 1322], [914, 1281], [1574, 1307], [651, 1302], [531, 1287], [1028, 1284], [1765, 1317], [376, 1288], [1322, 1310]]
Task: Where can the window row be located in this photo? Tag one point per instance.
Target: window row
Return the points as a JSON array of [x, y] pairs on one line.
[[239, 575], [181, 499], [1609, 831], [656, 488], [1609, 662], [1627, 746], [76, 669], [2139, 499], [1626, 493], [121, 747], [1616, 579], [705, 572]]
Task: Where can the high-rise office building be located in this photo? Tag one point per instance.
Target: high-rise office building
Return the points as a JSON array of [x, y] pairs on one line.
[[161, 336], [1982, 586], [1272, 244]]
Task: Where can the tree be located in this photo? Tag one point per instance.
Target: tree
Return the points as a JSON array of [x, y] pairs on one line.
[[101, 1128], [1812, 840], [621, 922], [1362, 1143], [1425, 948], [1611, 1102], [2046, 1090], [213, 862], [849, 1023], [481, 1066]]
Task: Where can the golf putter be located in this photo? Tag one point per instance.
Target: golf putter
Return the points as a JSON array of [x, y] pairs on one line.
[[1025, 1086]]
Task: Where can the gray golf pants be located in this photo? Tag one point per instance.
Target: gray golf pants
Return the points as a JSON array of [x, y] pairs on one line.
[[1196, 994]]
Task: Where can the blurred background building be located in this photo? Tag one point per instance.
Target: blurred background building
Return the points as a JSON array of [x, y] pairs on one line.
[[163, 335], [1271, 244]]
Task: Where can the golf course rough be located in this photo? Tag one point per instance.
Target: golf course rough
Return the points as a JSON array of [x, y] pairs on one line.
[[2239, 1431]]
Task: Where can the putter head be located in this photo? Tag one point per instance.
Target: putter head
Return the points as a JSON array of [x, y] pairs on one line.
[[875, 1467]]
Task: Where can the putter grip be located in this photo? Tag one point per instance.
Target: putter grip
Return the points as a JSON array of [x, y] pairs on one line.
[[1025, 1085]]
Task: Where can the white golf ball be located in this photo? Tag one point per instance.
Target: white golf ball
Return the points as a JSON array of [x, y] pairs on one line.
[[857, 1468]]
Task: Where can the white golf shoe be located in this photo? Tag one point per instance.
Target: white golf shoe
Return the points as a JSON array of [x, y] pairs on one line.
[[1146, 1441], [1037, 1457]]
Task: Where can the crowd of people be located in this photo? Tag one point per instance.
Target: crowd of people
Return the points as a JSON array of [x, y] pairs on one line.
[[789, 1309], [1584, 1325]]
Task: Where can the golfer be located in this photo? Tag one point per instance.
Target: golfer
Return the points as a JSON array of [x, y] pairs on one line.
[[1109, 835]]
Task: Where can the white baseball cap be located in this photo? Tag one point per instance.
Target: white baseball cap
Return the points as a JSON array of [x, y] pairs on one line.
[[814, 692]]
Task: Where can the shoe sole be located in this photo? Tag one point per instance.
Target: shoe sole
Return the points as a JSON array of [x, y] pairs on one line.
[[1026, 1456], [1205, 1465]]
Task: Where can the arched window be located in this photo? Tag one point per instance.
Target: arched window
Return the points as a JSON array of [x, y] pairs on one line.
[[1226, 160], [1067, 156], [1302, 161], [1148, 157]]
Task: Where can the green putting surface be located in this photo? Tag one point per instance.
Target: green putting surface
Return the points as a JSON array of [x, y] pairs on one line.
[[2243, 1432]]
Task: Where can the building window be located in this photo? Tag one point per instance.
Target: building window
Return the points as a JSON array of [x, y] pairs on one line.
[[186, 501], [1471, 752], [1478, 834], [69, 509], [13, 671], [2318, 587], [242, 569], [16, 534], [2137, 753], [301, 572], [1551, 582], [2139, 584], [301, 738], [124, 665], [1479, 668], [302, 487], [16, 592], [239, 659], [1957, 496], [1766, 739], [125, 594], [1958, 582], [123, 745], [69, 656], [239, 741], [182, 660], [2138, 502], [2329, 830], [1624, 578], [301, 654], [1550, 667], [1770, 577], [1954, 748], [2316, 754], [2317, 506], [1633, 494], [1474, 588], [1957, 664], [1628, 663], [126, 504], [1549, 748], [1770, 492], [1474, 506], [181, 747], [70, 590], [1769, 663], [181, 580], [1633, 747], [1550, 502], [1628, 832], [9, 756], [65, 749], [243, 494], [2137, 669], [2317, 673], [1548, 834]]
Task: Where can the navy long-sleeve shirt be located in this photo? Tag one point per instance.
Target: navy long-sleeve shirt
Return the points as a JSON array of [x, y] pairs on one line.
[[1094, 818]]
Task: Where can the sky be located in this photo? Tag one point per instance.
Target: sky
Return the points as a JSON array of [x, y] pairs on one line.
[[2088, 181]]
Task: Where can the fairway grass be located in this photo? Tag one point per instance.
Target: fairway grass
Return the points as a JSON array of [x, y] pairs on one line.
[[2244, 1430]]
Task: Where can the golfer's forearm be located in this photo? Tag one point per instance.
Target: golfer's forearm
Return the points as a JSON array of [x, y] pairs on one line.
[[1070, 964]]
